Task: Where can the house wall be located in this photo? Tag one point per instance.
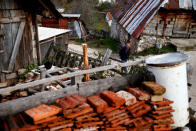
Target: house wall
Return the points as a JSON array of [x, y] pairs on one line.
[[162, 26], [11, 16], [174, 25], [118, 33]]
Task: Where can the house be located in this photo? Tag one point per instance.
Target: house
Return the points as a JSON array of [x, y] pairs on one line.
[[19, 44], [153, 19], [62, 23], [109, 18], [68, 21]]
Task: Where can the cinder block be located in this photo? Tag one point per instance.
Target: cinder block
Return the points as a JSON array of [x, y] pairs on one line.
[[153, 88], [129, 98]]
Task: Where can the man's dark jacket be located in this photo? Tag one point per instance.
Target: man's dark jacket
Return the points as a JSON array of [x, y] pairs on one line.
[[124, 54]]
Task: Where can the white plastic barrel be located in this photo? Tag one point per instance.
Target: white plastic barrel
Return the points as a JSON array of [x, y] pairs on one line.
[[170, 72]]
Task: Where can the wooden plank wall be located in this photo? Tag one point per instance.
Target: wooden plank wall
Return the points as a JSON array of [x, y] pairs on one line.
[[10, 9], [178, 25]]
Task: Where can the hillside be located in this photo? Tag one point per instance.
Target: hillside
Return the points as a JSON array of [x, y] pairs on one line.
[[92, 14]]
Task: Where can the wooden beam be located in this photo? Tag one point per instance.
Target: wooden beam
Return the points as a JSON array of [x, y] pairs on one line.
[[86, 66], [22, 104], [16, 46], [12, 20], [57, 81], [68, 75], [48, 97], [34, 18]]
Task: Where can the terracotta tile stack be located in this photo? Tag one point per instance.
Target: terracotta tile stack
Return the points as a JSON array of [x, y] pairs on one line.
[[139, 94], [75, 108], [70, 101], [141, 124], [46, 117], [83, 116], [138, 112], [107, 111], [115, 117], [18, 123], [162, 115]]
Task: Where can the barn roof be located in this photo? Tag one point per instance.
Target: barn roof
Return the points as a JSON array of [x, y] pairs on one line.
[[46, 33], [134, 15]]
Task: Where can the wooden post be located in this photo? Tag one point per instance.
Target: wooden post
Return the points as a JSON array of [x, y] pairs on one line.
[[37, 39], [106, 57], [85, 54], [42, 76]]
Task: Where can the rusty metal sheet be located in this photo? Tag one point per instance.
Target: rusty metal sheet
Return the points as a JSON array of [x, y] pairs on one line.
[[180, 4], [137, 15], [172, 4]]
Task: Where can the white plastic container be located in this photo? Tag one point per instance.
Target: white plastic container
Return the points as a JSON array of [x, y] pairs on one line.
[[170, 72]]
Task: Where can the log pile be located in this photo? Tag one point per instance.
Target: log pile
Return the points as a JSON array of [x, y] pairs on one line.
[[130, 110]]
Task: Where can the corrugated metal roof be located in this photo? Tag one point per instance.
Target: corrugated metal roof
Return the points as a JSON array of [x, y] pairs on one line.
[[139, 13], [46, 33], [71, 15]]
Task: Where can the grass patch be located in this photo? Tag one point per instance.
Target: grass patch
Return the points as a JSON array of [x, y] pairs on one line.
[[98, 22], [153, 50], [188, 48], [105, 43]]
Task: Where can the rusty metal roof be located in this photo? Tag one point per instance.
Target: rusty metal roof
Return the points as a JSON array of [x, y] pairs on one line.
[[133, 15], [180, 4]]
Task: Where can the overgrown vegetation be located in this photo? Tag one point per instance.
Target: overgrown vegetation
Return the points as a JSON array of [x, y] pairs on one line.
[[28, 69], [137, 69], [98, 22], [105, 43], [105, 6], [153, 50]]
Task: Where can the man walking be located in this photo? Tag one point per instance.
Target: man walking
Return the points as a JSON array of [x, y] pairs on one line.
[[124, 55]]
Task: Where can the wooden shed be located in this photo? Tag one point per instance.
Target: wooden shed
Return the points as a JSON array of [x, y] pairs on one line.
[[19, 42], [49, 36]]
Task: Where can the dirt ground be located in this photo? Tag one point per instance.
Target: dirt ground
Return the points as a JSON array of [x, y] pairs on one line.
[[192, 89]]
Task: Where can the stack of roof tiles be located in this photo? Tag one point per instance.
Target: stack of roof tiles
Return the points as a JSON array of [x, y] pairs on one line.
[[162, 114], [75, 108], [107, 111], [162, 110], [115, 117]]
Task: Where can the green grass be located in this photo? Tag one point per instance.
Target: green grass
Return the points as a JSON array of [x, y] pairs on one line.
[[105, 43], [98, 22], [153, 50]]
